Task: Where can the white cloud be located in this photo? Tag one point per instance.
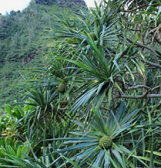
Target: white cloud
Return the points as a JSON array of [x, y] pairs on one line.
[[90, 3], [9, 5]]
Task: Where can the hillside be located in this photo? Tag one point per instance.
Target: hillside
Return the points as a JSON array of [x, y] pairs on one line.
[[23, 43]]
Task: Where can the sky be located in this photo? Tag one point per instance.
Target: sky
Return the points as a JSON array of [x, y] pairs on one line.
[[9, 5]]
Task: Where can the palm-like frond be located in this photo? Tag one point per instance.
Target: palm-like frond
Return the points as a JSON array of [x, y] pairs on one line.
[[118, 127]]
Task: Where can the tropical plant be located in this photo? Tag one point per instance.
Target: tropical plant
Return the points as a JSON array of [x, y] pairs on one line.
[[95, 104], [123, 66], [103, 142], [112, 139], [23, 144]]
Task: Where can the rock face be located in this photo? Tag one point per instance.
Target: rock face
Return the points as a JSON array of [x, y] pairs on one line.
[[68, 3]]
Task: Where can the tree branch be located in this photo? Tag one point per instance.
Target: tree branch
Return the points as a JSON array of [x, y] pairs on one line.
[[156, 87], [141, 96], [145, 95], [151, 63], [148, 48], [138, 86]]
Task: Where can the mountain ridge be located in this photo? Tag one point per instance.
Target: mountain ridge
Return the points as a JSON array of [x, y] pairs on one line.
[[49, 2]]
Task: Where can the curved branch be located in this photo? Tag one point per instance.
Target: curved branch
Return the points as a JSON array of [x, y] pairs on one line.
[[141, 96], [156, 87], [144, 96], [151, 63], [138, 86], [148, 48]]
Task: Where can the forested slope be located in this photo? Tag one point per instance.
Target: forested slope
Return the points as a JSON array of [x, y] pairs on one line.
[[24, 41]]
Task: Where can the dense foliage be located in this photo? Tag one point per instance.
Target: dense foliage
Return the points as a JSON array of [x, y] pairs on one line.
[[97, 101], [24, 42]]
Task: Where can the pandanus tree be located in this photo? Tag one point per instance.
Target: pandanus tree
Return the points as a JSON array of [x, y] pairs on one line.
[[117, 57], [104, 78], [113, 48]]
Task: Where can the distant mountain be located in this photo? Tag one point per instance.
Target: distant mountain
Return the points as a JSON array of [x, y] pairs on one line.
[[24, 41], [50, 2]]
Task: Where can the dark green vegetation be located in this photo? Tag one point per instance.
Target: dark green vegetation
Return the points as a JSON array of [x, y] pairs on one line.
[[25, 39], [96, 102], [23, 46]]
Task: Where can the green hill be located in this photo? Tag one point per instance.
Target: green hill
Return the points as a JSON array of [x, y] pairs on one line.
[[24, 41]]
